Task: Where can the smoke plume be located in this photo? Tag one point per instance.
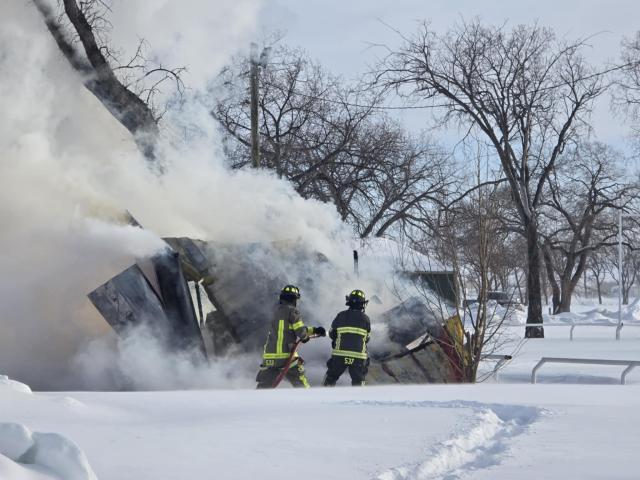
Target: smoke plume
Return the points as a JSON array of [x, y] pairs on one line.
[[68, 169]]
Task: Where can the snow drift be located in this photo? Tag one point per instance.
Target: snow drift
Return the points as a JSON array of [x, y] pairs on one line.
[[7, 384], [40, 453]]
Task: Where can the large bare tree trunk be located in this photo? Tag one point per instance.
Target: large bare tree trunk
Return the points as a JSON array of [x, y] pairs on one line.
[[570, 282], [625, 295], [99, 78], [534, 309], [565, 299], [555, 289], [522, 299]]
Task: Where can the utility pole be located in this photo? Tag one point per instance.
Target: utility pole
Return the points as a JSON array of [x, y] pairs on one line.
[[355, 263], [255, 140], [256, 62], [620, 284]]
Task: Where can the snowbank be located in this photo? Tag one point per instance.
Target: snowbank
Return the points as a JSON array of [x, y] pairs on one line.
[[10, 470], [631, 312], [593, 316], [601, 314], [15, 440], [7, 384], [44, 452]]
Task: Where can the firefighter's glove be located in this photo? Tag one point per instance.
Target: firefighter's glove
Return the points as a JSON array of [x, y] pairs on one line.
[[305, 339], [319, 331]]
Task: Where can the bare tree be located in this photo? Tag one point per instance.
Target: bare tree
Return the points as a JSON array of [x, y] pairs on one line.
[[332, 142], [578, 215], [629, 271], [523, 90], [125, 88], [596, 265], [470, 237], [401, 180], [503, 262], [626, 97]]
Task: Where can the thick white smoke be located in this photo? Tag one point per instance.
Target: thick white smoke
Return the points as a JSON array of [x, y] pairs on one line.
[[67, 168], [140, 362], [198, 34]]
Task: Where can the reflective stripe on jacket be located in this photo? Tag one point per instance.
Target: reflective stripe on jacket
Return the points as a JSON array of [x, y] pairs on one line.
[[350, 333], [285, 328]]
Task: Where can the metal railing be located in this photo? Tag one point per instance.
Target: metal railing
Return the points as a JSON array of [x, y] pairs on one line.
[[630, 364], [574, 325], [501, 360], [618, 328]]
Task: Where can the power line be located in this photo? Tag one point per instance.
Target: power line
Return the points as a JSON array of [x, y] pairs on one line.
[[433, 106], [357, 105]]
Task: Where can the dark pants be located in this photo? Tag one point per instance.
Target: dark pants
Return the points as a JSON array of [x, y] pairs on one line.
[[337, 365], [295, 376]]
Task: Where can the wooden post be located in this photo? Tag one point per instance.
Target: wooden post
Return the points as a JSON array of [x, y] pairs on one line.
[[255, 139]]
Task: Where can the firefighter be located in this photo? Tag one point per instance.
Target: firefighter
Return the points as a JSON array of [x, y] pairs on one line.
[[285, 328], [349, 335]]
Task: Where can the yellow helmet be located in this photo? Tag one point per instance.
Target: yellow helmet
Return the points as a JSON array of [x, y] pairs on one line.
[[356, 299], [290, 292]]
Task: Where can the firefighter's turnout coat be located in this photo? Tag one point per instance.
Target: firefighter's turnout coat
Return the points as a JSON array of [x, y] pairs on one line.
[[285, 328], [350, 333]]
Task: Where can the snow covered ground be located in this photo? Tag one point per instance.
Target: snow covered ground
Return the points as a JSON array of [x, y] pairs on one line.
[[576, 423]]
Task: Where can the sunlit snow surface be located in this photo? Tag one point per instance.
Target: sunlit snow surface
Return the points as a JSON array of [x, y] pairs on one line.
[[576, 423]]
